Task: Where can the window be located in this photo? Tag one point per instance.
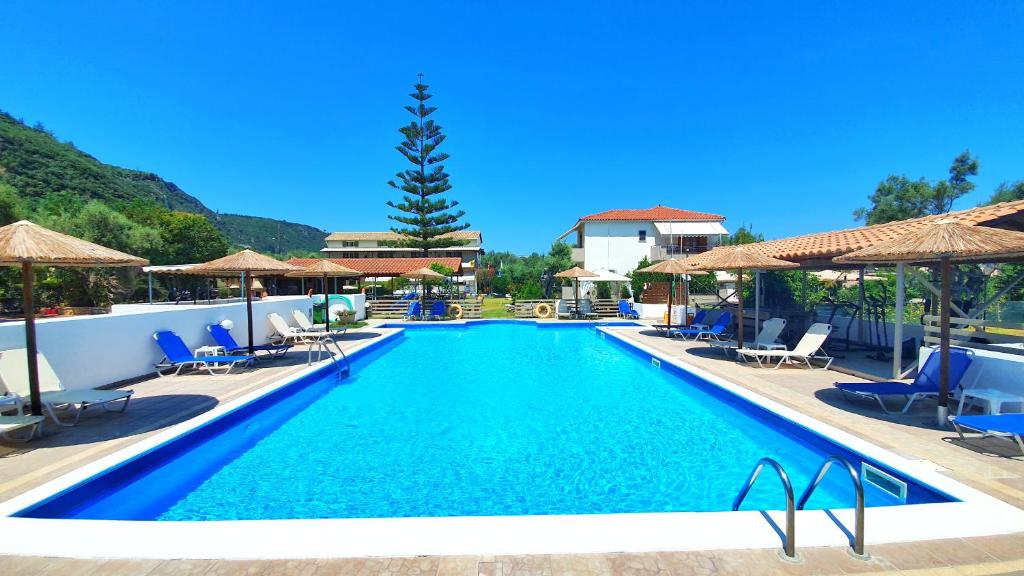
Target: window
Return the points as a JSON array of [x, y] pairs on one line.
[[350, 255], [642, 235], [349, 243]]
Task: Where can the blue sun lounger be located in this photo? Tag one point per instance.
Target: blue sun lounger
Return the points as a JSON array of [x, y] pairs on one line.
[[178, 356], [414, 312], [437, 310], [925, 385], [1009, 426], [697, 323], [223, 338], [627, 311], [717, 331]]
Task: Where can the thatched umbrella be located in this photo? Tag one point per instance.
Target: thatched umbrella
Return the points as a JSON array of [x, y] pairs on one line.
[[738, 258], [325, 268], [26, 244], [576, 273], [673, 267], [423, 274], [944, 241], [246, 262]]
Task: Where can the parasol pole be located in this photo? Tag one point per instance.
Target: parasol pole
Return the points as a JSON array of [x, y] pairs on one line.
[[30, 337], [577, 298], [942, 412], [668, 305], [327, 308], [739, 320], [247, 286]]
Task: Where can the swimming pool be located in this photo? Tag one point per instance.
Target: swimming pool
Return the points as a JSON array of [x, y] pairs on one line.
[[496, 419], [481, 437]]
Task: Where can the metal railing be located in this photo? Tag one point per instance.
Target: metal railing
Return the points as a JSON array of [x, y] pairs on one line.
[[789, 540], [858, 529]]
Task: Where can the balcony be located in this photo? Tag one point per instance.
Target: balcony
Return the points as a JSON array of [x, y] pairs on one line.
[[577, 255], [673, 251]]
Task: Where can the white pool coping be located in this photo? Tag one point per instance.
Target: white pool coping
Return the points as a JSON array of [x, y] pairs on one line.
[[977, 514]]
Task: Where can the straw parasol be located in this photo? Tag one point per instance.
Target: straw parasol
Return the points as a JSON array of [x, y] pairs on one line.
[[673, 267], [944, 241], [423, 274], [246, 262], [576, 273], [26, 244], [738, 258], [325, 268]]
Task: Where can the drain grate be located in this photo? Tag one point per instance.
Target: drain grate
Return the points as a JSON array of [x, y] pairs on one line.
[[884, 482]]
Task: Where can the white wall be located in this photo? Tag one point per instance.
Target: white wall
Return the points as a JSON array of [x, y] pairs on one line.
[[92, 351], [616, 245], [993, 370]]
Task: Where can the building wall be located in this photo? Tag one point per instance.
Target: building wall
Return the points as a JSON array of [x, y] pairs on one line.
[[615, 245], [93, 351]]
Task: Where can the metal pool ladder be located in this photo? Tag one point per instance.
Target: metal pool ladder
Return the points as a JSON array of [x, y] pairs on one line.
[[322, 347], [789, 542], [858, 487]]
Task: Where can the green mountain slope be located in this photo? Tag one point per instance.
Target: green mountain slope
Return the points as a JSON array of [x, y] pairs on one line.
[[35, 163]]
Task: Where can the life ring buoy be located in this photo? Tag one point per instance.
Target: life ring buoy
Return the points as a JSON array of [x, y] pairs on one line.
[[455, 310], [542, 310]]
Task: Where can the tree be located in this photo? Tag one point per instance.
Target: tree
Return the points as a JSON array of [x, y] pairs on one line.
[[190, 238], [743, 235], [11, 207], [899, 198], [1007, 192], [559, 257], [427, 216]]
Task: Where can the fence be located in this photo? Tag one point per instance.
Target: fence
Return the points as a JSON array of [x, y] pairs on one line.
[[394, 309]]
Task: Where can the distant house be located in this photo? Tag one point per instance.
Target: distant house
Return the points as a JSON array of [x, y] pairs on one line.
[[347, 246], [617, 239]]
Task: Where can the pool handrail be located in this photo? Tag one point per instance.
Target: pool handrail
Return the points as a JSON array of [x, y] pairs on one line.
[[789, 543], [858, 486]]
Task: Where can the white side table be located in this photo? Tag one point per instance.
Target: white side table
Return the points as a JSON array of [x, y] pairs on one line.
[[12, 402], [772, 346], [993, 399], [209, 351]]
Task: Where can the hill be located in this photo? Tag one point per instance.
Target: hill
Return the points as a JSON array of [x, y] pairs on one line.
[[36, 163]]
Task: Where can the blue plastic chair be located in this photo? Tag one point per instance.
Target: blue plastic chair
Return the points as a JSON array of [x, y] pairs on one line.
[[437, 310], [409, 296], [925, 385], [414, 312], [717, 331], [1010, 426], [178, 356], [223, 337], [627, 311]]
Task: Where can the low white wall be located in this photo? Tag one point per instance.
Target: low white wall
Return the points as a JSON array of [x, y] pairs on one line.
[[92, 351], [657, 312]]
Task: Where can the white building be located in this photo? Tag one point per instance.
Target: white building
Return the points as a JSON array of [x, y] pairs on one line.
[[618, 239]]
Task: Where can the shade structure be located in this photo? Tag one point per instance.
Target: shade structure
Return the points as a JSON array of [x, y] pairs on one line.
[[247, 263], [423, 274], [674, 267], [944, 241], [576, 273], [26, 244], [738, 258], [326, 269]]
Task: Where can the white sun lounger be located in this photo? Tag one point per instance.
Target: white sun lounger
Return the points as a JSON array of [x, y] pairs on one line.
[[55, 398], [9, 424], [304, 322], [765, 339], [285, 333], [807, 349]]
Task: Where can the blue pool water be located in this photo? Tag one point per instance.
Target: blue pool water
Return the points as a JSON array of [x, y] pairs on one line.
[[495, 419]]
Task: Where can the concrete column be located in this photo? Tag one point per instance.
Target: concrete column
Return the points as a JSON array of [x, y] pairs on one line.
[[897, 337], [757, 302]]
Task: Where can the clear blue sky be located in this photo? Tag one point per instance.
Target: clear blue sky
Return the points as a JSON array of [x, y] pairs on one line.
[[784, 116]]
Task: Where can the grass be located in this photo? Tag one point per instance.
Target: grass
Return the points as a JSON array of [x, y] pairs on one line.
[[494, 308]]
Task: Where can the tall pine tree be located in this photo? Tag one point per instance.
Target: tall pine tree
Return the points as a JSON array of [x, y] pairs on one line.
[[427, 216]]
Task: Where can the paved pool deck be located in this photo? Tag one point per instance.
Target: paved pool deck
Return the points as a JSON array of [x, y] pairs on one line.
[[992, 466]]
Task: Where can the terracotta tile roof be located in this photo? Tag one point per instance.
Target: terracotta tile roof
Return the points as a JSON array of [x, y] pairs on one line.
[[657, 214], [826, 245], [385, 266], [460, 235]]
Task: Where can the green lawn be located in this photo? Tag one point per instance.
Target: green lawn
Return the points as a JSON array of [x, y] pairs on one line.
[[495, 308]]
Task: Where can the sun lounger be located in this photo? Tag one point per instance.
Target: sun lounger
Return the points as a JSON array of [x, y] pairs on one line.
[[437, 310], [177, 356], [717, 331], [766, 339], [627, 311], [1009, 426], [9, 424], [414, 312], [304, 322], [925, 385], [808, 348], [697, 323], [283, 333], [55, 398], [223, 338]]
